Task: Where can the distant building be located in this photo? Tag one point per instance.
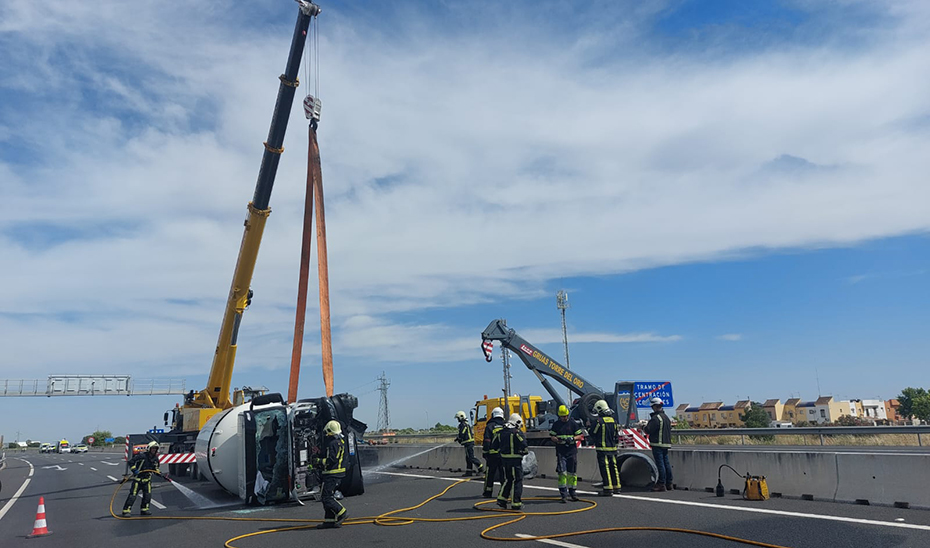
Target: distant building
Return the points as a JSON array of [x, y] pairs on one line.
[[790, 413], [706, 416], [891, 411], [874, 410], [775, 409], [682, 413]]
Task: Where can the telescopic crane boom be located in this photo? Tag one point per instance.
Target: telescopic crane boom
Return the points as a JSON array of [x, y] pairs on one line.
[[203, 405], [620, 401]]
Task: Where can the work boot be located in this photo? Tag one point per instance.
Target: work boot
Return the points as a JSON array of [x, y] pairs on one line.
[[327, 525], [127, 512], [481, 469], [616, 490], [573, 496], [488, 495], [469, 473], [146, 513], [502, 504], [607, 493], [659, 488], [564, 499], [669, 487], [518, 506]]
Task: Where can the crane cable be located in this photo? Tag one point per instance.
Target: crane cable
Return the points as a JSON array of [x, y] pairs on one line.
[[391, 519]]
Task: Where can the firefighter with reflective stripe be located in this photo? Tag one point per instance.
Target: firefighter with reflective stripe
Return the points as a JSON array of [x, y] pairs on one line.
[[141, 466], [492, 456], [511, 443], [566, 432], [659, 430], [333, 465], [467, 439], [605, 444]]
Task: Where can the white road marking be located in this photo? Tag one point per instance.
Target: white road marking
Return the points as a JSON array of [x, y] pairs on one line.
[[110, 463], [92, 468], [158, 505], [112, 478], [552, 541], [825, 517], [54, 467], [15, 497], [81, 463]]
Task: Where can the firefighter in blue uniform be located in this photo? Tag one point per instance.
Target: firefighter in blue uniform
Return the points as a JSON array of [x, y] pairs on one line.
[[141, 467], [492, 456], [467, 439], [566, 432], [333, 464], [511, 443], [605, 439]]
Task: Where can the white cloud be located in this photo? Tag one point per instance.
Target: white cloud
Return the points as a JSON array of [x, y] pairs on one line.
[[730, 337], [501, 167]]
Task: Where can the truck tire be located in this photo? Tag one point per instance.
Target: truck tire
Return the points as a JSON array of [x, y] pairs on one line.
[[584, 411]]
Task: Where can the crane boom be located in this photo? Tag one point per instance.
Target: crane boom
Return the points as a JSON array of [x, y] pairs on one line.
[[542, 365], [216, 395]]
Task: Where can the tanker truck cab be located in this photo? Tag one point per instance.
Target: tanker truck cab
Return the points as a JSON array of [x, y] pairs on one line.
[[63, 447], [264, 451]]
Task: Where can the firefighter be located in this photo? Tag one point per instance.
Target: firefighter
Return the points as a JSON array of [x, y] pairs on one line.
[[467, 439], [141, 466], [333, 465], [605, 442], [566, 432], [511, 443], [492, 456], [659, 429]]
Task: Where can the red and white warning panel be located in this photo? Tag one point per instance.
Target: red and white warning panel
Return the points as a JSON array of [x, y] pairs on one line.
[[633, 439], [176, 458]]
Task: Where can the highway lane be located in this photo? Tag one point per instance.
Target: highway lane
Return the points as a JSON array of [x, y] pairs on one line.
[[805, 449], [77, 498]]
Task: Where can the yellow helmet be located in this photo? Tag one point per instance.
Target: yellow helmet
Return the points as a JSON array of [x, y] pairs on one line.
[[151, 445], [601, 407], [333, 428], [563, 411]]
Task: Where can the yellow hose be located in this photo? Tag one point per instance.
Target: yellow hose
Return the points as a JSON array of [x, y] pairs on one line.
[[389, 519]]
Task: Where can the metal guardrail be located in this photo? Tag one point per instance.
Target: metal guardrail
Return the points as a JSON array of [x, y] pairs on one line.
[[807, 430]]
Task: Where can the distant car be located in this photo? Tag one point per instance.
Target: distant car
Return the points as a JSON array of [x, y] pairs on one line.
[[45, 448], [79, 448]]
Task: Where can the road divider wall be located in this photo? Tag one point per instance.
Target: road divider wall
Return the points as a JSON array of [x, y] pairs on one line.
[[888, 479]]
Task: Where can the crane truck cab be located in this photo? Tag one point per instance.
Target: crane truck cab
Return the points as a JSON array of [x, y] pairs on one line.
[[528, 407]]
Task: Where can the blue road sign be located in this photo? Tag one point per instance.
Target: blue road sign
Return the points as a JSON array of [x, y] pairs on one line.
[[109, 440], [646, 390]]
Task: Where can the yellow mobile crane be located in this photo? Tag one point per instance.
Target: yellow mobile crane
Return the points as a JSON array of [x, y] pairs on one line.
[[199, 407]]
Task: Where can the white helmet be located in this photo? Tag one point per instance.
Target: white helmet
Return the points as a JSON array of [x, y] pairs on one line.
[[656, 401], [516, 420], [497, 413], [333, 428], [460, 415], [601, 407]]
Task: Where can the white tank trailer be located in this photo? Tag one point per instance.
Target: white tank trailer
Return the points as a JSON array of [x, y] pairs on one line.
[[263, 451]]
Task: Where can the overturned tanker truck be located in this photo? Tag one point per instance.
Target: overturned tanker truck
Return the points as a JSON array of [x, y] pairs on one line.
[[636, 468], [263, 451]]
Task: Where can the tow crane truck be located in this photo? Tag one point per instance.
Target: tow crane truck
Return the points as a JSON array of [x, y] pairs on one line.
[[621, 400], [296, 425]]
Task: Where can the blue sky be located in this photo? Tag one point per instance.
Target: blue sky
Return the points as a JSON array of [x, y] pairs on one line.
[[734, 195]]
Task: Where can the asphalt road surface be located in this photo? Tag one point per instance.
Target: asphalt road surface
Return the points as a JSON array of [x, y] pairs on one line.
[[77, 491]]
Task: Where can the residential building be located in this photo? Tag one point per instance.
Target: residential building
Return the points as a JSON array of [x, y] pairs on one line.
[[682, 414], [775, 410], [874, 410], [891, 411], [807, 412], [790, 412], [706, 415]]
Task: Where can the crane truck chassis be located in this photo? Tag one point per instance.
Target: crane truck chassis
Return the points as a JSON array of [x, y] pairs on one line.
[[638, 469]]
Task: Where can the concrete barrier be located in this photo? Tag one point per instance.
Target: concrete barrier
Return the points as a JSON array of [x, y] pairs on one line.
[[873, 478]]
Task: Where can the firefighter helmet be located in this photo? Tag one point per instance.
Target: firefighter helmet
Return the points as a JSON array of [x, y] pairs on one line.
[[656, 401], [333, 428], [600, 406], [563, 411], [497, 413], [460, 415], [516, 420]]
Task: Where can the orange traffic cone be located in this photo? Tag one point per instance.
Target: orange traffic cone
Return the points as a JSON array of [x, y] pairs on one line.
[[41, 527]]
